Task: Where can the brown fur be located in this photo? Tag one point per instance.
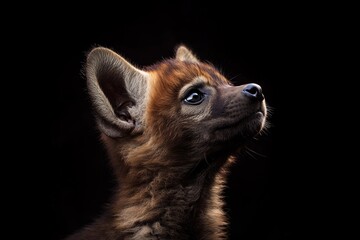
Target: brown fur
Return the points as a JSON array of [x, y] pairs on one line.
[[170, 157]]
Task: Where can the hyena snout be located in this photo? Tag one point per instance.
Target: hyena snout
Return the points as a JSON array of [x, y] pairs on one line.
[[253, 91]]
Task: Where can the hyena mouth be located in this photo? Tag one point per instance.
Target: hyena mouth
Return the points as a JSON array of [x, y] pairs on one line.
[[254, 119]]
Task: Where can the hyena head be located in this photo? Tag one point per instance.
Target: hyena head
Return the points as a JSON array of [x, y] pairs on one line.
[[176, 112]]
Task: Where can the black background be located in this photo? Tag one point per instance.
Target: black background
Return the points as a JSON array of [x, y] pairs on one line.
[[268, 194]]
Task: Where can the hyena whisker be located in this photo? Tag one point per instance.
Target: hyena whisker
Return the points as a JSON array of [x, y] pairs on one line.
[[203, 161], [232, 78], [253, 153]]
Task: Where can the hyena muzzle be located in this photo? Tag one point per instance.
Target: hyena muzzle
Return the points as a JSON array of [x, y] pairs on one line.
[[171, 131]]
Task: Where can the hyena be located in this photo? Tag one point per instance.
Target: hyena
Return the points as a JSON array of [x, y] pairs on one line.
[[171, 131]]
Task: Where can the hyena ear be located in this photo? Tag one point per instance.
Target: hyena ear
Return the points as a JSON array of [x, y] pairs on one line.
[[117, 90], [184, 54]]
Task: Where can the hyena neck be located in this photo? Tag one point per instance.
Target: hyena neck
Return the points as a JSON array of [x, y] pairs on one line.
[[169, 202]]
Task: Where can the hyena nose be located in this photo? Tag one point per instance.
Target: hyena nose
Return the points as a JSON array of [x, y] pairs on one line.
[[253, 91]]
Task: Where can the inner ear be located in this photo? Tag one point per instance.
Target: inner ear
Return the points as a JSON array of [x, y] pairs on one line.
[[112, 84]]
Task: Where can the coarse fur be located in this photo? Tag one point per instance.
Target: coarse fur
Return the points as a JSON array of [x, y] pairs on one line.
[[171, 132]]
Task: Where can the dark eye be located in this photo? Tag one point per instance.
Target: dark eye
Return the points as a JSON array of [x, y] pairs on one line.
[[194, 97]]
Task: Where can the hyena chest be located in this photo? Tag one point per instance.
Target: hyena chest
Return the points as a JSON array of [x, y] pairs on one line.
[[173, 216]]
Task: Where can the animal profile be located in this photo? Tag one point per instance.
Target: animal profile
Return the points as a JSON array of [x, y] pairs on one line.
[[171, 131]]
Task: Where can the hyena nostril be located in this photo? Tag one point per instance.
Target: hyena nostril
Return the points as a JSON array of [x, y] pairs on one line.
[[253, 91]]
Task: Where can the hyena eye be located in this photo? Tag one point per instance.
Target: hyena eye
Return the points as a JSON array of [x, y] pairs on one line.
[[194, 97]]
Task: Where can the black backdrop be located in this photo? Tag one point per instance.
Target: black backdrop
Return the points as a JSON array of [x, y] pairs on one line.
[[265, 195]]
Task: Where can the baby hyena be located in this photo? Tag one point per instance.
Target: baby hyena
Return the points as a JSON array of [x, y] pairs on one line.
[[171, 131]]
